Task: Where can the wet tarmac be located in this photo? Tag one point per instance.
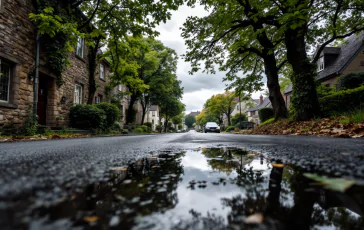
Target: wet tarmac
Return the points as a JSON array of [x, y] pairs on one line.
[[208, 188], [183, 181]]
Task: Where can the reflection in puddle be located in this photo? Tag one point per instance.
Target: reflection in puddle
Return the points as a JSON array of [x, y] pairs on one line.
[[208, 189]]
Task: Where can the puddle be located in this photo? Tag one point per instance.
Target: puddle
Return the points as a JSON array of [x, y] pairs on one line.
[[206, 189]]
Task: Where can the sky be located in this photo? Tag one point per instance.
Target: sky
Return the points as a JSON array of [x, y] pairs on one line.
[[199, 86]]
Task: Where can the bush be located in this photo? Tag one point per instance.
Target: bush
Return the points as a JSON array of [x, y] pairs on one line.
[[87, 117], [117, 126], [342, 101], [112, 113], [229, 128], [124, 131], [235, 119], [265, 114], [144, 127], [180, 126], [269, 121], [148, 124], [139, 130], [323, 90], [30, 126], [351, 81]]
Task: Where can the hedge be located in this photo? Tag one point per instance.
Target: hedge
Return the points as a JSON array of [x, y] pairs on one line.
[[351, 81], [265, 114], [342, 101], [87, 117], [112, 113]]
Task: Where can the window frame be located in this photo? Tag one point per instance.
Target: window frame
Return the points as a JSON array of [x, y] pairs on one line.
[[320, 64], [120, 87], [102, 67], [9, 79], [82, 46], [80, 97], [153, 113], [98, 99]]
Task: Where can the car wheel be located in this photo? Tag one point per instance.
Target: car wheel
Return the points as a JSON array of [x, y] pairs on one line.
[[205, 131]]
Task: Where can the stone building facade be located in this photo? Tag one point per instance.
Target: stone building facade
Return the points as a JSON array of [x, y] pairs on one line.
[[17, 63]]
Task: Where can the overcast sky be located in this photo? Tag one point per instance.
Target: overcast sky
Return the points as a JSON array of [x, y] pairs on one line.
[[198, 87]]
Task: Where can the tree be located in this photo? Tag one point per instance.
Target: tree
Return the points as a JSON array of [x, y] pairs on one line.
[[221, 104], [232, 37], [171, 108], [270, 33], [205, 117], [189, 120], [236, 118], [96, 20], [176, 120]]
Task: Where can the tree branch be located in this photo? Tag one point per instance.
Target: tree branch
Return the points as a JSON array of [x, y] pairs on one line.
[[90, 18]]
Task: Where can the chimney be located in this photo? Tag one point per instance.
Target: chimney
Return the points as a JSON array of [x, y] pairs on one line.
[[261, 99]]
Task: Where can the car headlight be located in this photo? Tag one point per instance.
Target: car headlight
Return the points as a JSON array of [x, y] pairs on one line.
[[218, 127]]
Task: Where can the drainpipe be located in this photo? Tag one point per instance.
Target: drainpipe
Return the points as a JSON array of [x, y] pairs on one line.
[[36, 79]]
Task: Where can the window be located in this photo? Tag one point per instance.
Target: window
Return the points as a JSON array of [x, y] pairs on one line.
[[98, 99], [252, 113], [320, 64], [102, 72], [120, 87], [78, 94], [361, 63], [153, 122], [153, 113], [80, 46], [4, 81]]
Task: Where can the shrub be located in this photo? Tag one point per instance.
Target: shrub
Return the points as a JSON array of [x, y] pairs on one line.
[[229, 128], [87, 117], [139, 130], [235, 119], [180, 126], [144, 127], [112, 113], [265, 114], [351, 81], [269, 121], [30, 126], [148, 124], [323, 90], [124, 131], [117, 126], [159, 128], [342, 101]]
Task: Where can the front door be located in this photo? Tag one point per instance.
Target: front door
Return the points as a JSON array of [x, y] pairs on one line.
[[42, 100]]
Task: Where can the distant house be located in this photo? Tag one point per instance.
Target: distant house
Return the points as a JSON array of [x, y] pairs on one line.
[[252, 113], [337, 61], [193, 114], [152, 116], [244, 105]]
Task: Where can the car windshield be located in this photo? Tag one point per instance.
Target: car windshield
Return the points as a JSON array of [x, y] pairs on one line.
[[211, 124]]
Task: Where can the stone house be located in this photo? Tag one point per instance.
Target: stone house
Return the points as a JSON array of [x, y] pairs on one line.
[[17, 63], [152, 116], [252, 113], [337, 61]]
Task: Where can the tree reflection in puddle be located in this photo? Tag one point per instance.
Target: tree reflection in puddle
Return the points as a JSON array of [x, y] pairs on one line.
[[210, 189]]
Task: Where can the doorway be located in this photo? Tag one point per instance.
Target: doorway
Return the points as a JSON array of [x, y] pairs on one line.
[[42, 100]]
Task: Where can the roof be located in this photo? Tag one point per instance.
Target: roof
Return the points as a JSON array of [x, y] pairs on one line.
[[347, 52], [345, 55], [256, 101], [265, 103], [193, 114], [153, 108]]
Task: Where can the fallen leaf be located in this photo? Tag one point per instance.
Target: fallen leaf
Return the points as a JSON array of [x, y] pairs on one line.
[[119, 169], [278, 165], [336, 184], [256, 218], [90, 219]]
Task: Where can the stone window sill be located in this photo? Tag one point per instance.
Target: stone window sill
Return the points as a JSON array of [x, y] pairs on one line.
[[8, 105], [81, 58], [103, 79]]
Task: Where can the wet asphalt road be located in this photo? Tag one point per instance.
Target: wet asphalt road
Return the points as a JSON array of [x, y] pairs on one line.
[[46, 171], [28, 167]]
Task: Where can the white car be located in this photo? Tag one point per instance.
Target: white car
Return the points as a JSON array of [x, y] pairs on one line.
[[212, 127]]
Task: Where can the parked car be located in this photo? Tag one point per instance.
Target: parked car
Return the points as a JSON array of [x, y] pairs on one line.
[[179, 131], [212, 127]]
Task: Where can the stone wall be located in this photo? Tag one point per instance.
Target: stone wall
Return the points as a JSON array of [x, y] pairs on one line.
[[17, 48]]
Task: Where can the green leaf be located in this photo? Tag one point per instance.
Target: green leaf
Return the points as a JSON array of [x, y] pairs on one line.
[[336, 184]]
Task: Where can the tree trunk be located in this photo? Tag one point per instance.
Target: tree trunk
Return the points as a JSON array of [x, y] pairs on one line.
[[228, 117], [165, 125], [129, 115], [92, 56], [304, 96], [143, 114], [275, 95]]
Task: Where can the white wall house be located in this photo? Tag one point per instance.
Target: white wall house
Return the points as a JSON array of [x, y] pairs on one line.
[[152, 116], [245, 105], [252, 113]]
